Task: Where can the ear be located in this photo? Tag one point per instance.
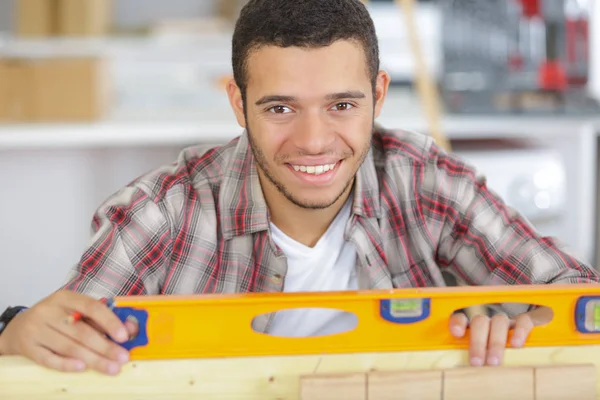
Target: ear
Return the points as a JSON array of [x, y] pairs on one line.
[[235, 99], [381, 87]]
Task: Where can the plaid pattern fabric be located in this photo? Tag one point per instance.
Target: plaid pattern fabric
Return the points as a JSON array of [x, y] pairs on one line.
[[201, 225]]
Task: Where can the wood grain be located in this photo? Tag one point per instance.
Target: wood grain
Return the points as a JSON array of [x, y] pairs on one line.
[[566, 382], [247, 378], [334, 386], [490, 383], [405, 385]]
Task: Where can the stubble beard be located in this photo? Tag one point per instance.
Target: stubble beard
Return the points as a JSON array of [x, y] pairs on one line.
[[263, 165]]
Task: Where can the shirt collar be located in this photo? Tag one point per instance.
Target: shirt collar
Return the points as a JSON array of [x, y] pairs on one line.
[[366, 189], [243, 208]]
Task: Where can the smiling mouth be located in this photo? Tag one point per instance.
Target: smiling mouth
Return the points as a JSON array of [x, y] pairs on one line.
[[315, 169]]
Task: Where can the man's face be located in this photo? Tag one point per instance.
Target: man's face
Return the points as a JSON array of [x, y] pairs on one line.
[[309, 116]]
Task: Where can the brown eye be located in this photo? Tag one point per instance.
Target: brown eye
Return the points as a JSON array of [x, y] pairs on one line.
[[342, 106], [278, 109]]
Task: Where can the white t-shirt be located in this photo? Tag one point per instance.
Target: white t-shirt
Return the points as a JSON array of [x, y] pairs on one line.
[[328, 266]]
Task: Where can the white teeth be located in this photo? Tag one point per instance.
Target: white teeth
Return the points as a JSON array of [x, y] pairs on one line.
[[314, 169]]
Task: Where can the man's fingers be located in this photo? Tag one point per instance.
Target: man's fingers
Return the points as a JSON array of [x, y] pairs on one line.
[[499, 327], [97, 312], [131, 325], [85, 335], [479, 332], [42, 356], [523, 326], [458, 324], [68, 348], [89, 337]]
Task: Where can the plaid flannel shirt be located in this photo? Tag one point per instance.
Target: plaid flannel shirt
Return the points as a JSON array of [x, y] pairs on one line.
[[201, 225]]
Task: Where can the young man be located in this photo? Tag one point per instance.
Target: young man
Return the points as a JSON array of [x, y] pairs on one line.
[[313, 196]]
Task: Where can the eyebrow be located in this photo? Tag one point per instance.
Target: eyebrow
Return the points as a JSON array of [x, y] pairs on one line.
[[274, 99], [351, 94]]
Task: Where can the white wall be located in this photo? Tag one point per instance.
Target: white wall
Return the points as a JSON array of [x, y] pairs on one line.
[[46, 206]]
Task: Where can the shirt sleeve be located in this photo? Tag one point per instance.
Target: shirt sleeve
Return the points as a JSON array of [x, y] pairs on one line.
[[128, 250], [482, 241]]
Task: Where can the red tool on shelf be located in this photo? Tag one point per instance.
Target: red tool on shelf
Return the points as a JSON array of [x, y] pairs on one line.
[[577, 42], [552, 75], [531, 8]]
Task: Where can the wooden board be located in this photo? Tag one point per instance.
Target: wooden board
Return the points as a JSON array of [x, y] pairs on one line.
[[35, 18], [404, 385], [326, 387], [501, 383], [78, 18], [547, 382], [564, 382], [251, 378]]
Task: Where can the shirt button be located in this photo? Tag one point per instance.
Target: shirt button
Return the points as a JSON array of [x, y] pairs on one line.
[[277, 278]]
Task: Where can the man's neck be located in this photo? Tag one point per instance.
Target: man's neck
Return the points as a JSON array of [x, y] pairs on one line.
[[304, 225]]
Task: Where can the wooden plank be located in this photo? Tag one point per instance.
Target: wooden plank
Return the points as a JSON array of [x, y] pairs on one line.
[[566, 382], [490, 383], [247, 378], [405, 385], [334, 386], [35, 18], [89, 18], [429, 95], [17, 91]]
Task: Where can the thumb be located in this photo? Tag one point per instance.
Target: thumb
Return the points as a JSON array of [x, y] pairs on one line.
[[132, 326]]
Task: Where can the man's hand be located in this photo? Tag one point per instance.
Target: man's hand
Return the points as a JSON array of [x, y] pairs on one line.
[[43, 335], [488, 336]]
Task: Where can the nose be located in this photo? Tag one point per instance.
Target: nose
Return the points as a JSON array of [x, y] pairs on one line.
[[314, 133]]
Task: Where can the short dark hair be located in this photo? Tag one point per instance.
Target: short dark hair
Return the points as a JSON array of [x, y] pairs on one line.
[[301, 23]]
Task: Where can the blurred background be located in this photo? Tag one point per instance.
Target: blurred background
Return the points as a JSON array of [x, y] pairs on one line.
[[94, 93]]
